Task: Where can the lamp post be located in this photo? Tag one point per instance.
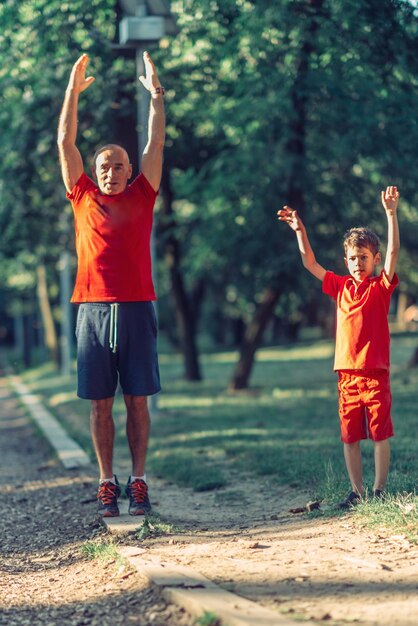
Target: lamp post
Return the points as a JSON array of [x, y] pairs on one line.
[[144, 22]]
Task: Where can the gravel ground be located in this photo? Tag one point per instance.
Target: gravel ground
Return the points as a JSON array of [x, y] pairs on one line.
[[47, 514]]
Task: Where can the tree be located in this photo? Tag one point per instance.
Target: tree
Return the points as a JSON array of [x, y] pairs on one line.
[[294, 103], [40, 41], [305, 102]]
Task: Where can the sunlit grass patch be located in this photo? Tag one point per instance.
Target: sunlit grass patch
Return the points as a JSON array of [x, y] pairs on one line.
[[395, 511], [318, 350], [154, 526], [102, 549]]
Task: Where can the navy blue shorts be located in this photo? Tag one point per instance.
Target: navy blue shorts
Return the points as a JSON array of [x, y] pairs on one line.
[[116, 343]]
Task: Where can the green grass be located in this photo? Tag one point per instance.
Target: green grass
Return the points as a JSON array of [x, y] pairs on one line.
[[286, 429], [397, 511], [208, 619], [154, 526], [102, 550]]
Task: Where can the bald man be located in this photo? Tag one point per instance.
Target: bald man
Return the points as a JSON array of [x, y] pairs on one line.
[[116, 325]]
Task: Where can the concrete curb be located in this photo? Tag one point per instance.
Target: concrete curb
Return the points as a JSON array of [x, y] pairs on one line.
[[68, 451], [197, 594], [185, 587]]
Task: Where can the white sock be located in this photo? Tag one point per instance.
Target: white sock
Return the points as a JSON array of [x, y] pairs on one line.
[[132, 478], [108, 480]]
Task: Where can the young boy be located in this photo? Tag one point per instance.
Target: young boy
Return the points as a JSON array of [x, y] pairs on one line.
[[362, 340]]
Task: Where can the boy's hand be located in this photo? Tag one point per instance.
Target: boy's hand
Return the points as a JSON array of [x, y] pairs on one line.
[[288, 215], [390, 199]]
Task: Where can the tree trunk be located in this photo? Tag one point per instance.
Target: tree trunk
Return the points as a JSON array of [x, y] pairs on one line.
[[252, 339], [296, 150], [413, 362], [27, 340], [402, 305], [186, 321], [51, 340]]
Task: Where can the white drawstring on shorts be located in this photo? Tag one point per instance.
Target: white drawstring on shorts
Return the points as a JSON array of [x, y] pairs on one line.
[[113, 331]]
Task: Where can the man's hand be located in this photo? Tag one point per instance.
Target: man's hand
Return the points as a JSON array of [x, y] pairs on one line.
[[390, 199], [291, 217], [152, 158], [78, 80], [150, 80]]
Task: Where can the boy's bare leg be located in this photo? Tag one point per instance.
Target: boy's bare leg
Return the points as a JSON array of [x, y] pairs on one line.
[[137, 430], [352, 456], [103, 433], [381, 463]]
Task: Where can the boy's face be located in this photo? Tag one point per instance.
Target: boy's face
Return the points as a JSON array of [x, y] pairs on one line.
[[361, 262]]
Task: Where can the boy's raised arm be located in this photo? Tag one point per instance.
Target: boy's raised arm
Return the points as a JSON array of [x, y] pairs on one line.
[[309, 261], [390, 199], [70, 158]]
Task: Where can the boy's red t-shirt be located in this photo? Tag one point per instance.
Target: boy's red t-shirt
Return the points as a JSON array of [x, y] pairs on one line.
[[113, 242], [362, 334]]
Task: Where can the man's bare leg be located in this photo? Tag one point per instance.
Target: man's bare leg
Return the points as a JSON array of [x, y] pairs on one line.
[[137, 431], [352, 456], [102, 430], [381, 463]]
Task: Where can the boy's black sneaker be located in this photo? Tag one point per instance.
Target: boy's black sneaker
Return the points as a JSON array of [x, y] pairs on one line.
[[351, 500], [379, 494], [107, 497], [137, 492]]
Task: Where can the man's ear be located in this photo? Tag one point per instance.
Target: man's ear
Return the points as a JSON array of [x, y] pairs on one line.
[[93, 171], [130, 170], [377, 258], [345, 261]]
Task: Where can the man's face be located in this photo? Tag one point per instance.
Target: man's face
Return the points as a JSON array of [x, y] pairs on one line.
[[113, 171], [361, 262]]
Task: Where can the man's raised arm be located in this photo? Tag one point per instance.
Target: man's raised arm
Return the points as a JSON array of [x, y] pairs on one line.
[[152, 158], [70, 157]]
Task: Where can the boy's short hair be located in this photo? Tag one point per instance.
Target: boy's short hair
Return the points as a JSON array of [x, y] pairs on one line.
[[361, 237]]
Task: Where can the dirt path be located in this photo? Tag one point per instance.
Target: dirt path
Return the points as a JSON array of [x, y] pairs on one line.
[[245, 539], [46, 515]]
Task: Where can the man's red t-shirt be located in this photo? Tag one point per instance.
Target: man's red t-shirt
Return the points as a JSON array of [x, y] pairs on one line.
[[113, 242], [362, 335]]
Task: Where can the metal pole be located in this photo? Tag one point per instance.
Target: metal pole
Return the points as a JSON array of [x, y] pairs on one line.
[[142, 131]]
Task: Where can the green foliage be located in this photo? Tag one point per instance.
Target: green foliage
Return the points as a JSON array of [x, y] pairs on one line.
[[39, 42], [245, 82], [267, 103]]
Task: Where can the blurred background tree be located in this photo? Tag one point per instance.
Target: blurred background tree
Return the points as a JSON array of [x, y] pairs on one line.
[[39, 42], [310, 103]]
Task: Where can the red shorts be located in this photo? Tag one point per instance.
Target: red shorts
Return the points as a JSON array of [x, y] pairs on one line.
[[364, 404]]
